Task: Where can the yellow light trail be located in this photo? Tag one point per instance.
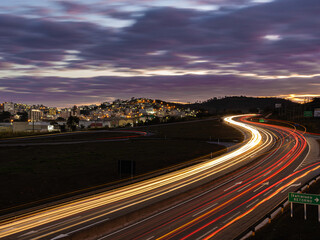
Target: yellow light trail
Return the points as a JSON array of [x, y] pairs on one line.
[[133, 194]]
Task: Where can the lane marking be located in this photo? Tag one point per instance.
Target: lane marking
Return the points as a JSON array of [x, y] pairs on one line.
[[262, 185], [267, 174], [244, 187], [231, 217], [207, 233], [150, 238], [60, 236], [87, 226], [28, 233], [205, 209], [292, 185], [252, 203], [233, 186], [268, 192], [309, 150]]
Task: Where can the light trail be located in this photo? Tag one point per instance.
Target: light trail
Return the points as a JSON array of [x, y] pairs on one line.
[[140, 192], [311, 168], [287, 159], [191, 212]]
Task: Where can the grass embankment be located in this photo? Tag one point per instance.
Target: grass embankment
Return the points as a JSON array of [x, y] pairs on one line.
[[296, 228], [30, 173], [197, 130]]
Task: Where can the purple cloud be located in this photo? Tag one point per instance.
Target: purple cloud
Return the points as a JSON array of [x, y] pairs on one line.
[[278, 38], [63, 91], [74, 8]]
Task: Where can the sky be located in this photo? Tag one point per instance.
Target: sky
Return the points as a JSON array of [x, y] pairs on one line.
[[66, 52]]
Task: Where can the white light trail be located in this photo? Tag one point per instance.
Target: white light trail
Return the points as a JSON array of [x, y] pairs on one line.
[[134, 194]]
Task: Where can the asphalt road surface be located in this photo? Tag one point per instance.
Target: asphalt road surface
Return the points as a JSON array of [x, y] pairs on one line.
[[222, 210]]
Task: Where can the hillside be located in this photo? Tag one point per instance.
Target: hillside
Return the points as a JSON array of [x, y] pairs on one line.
[[241, 104]]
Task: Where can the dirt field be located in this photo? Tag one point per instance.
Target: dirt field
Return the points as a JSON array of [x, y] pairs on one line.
[[30, 173]]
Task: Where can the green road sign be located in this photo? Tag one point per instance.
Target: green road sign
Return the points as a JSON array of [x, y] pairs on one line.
[[261, 120], [307, 114], [304, 198]]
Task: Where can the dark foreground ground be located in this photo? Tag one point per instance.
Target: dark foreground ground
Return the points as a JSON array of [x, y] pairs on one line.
[[296, 228], [31, 173]]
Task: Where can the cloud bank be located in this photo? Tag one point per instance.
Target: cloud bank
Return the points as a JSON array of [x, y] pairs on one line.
[[77, 52]]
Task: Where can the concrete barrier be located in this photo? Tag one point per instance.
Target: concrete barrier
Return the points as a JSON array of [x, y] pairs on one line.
[[249, 234], [262, 224], [276, 213], [312, 182]]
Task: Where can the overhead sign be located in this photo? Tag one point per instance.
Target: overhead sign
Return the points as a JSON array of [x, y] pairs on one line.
[[308, 114], [304, 198], [278, 105], [317, 112]]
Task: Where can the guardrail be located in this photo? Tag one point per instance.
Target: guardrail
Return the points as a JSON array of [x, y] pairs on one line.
[[279, 209]]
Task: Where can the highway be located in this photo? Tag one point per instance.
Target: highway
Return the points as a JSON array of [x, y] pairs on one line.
[[224, 208]]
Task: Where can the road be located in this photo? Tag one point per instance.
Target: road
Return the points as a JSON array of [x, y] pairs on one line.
[[222, 210]]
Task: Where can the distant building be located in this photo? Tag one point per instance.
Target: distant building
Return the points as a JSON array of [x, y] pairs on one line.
[[8, 107], [93, 124], [65, 113], [35, 115], [75, 111], [150, 111], [52, 111]]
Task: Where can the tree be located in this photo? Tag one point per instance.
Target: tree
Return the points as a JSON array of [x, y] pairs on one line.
[[73, 122], [103, 106], [53, 122], [5, 116], [23, 116], [62, 128], [60, 119]]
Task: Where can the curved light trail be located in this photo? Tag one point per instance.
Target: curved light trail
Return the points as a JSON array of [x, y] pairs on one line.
[[204, 222], [222, 210], [137, 193], [204, 216]]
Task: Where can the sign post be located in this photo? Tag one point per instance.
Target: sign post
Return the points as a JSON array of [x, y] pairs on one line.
[[304, 199], [305, 211]]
